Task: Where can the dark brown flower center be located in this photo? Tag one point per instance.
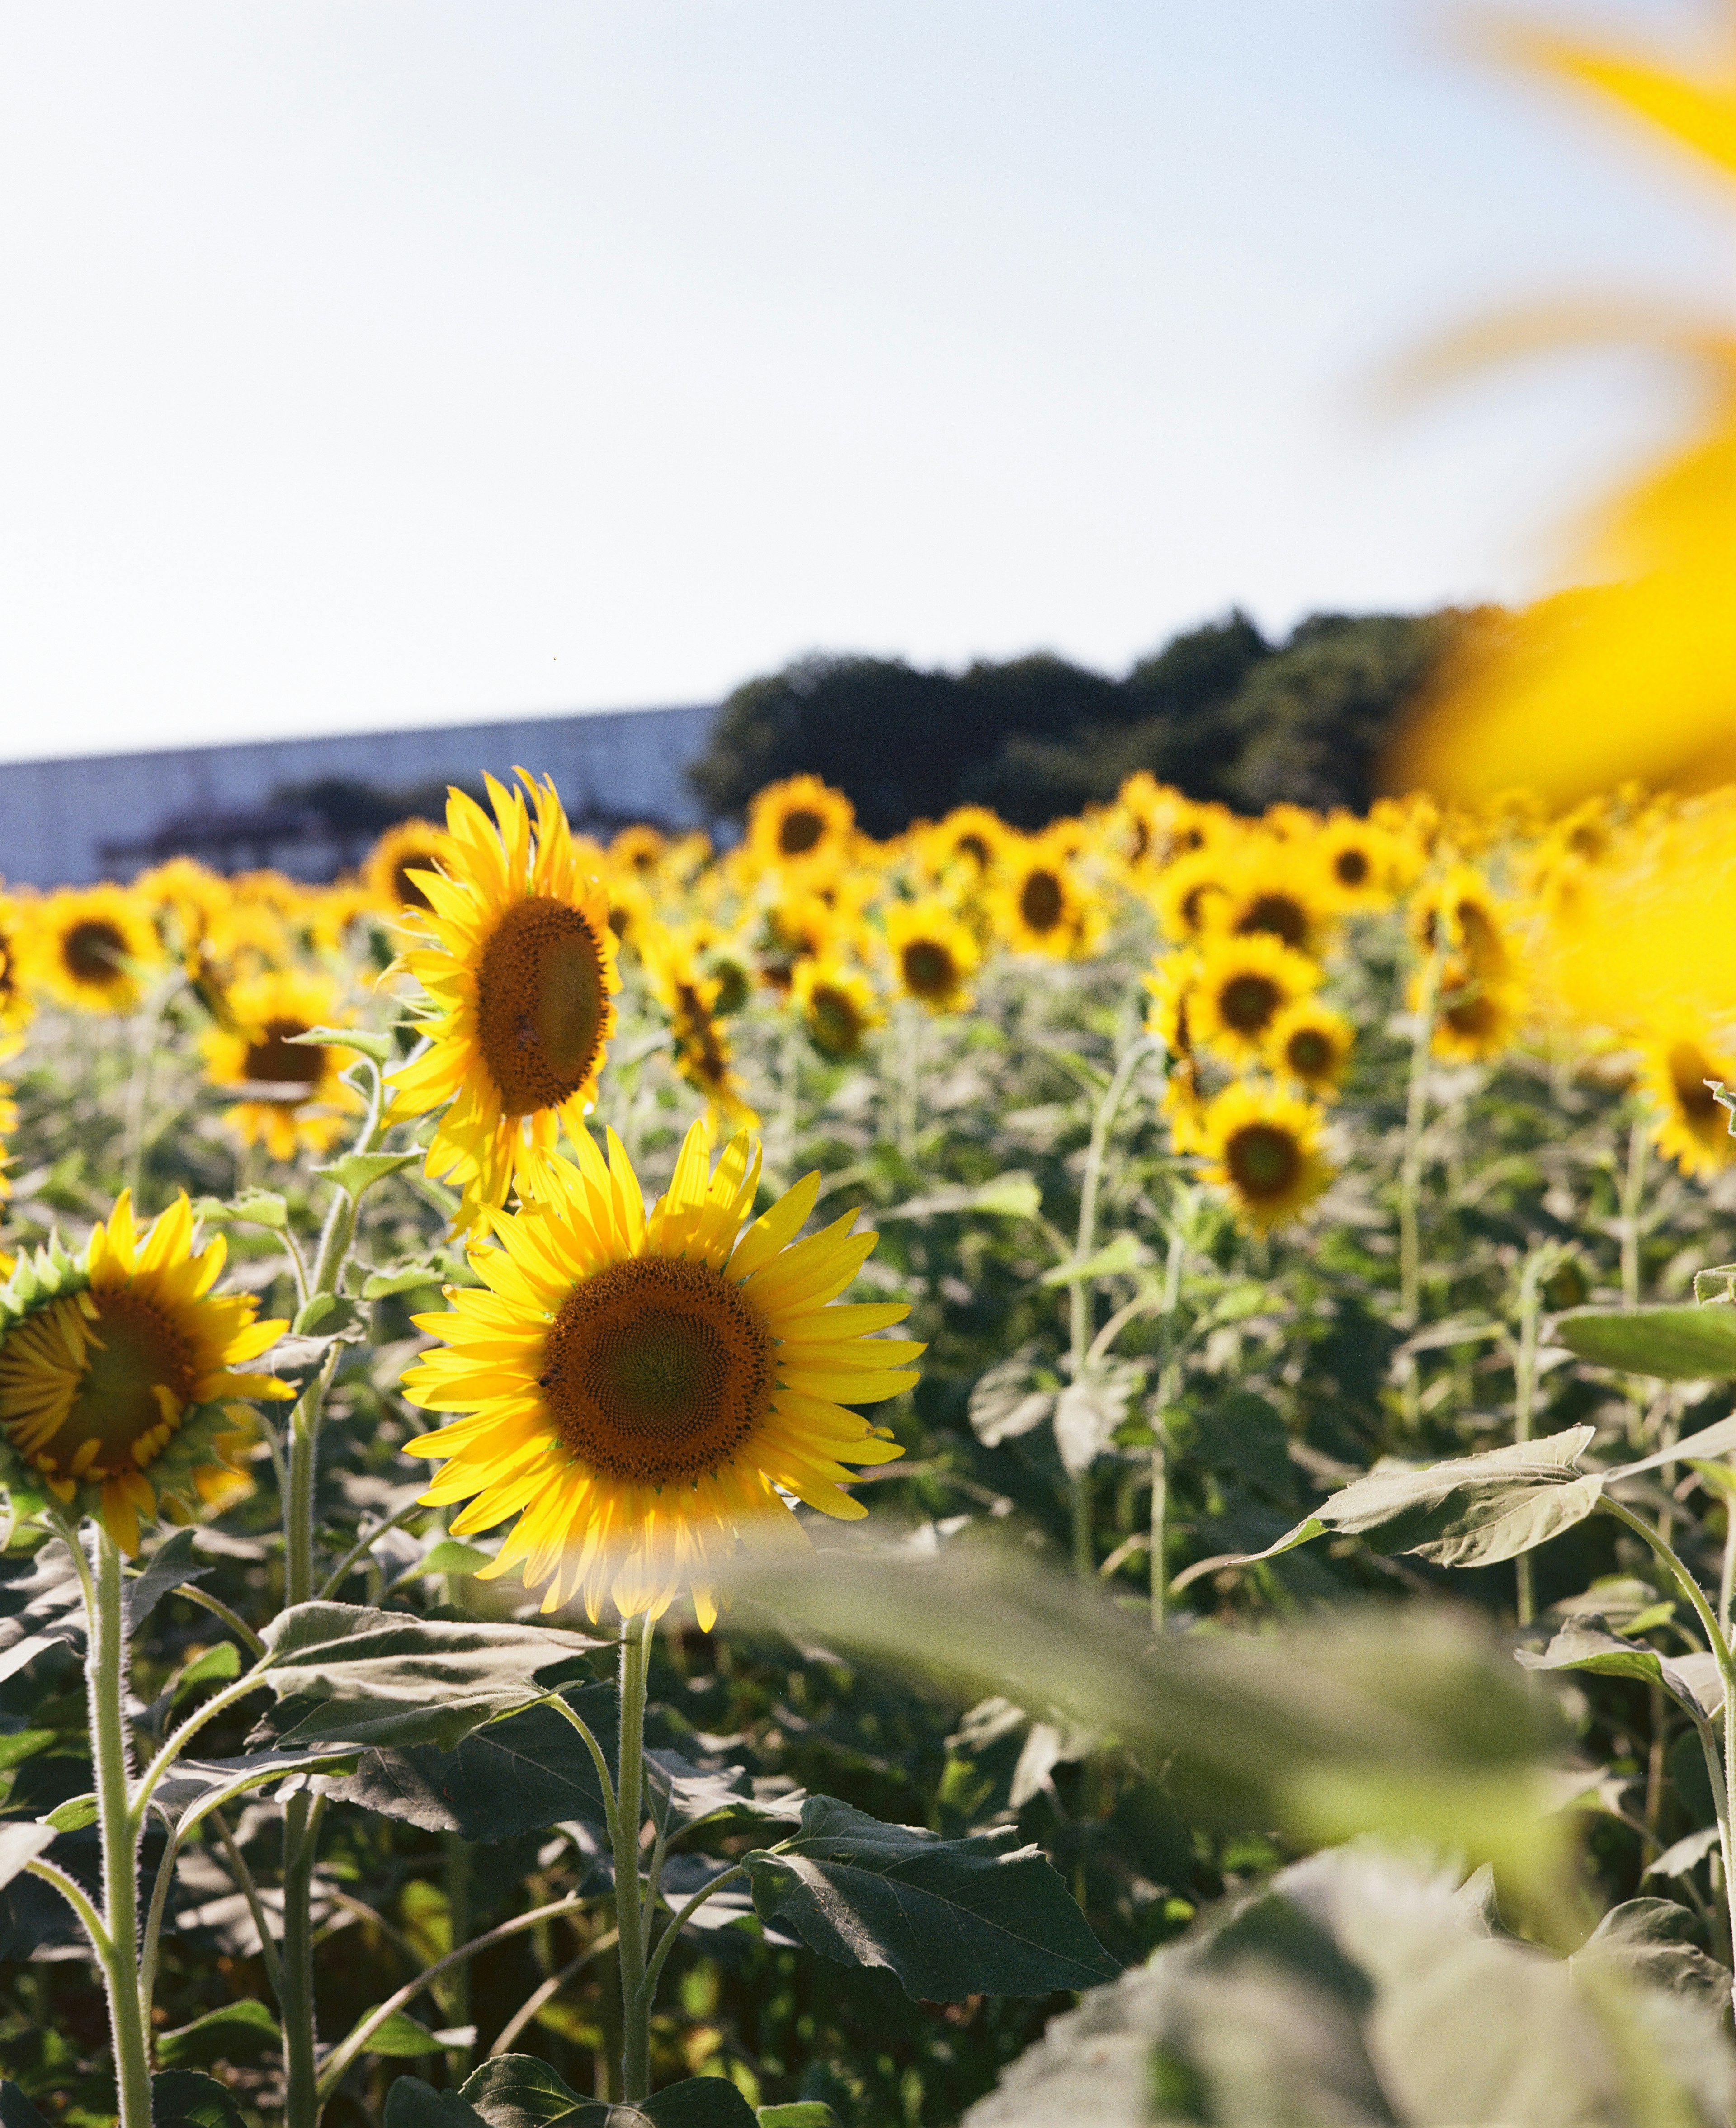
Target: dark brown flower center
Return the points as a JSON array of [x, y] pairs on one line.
[[1468, 1010], [837, 1026], [274, 1059], [1280, 914], [1264, 1160], [540, 1002], [1040, 901], [131, 1351], [1688, 1074], [1352, 867], [974, 847], [657, 1370], [798, 830], [1309, 1053], [1248, 1002], [94, 951], [928, 969]]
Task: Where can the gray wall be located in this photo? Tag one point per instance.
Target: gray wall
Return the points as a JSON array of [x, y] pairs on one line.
[[55, 816]]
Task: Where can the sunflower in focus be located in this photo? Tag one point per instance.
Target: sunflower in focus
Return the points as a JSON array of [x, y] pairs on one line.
[[1264, 1145], [517, 964], [390, 868], [933, 954], [1241, 987], [838, 1004], [88, 947], [1477, 1017], [1041, 905], [1310, 1045], [293, 1094], [691, 996], [1690, 1126], [801, 825], [641, 1391], [117, 1372]]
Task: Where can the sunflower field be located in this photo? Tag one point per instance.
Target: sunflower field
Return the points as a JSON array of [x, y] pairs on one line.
[[981, 1419]]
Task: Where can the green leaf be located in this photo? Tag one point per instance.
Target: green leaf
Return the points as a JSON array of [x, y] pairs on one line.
[[191, 1781], [1686, 1855], [1125, 1252], [252, 1208], [518, 2091], [450, 1555], [73, 1815], [1680, 1344], [326, 1316], [360, 1039], [16, 2109], [404, 1278], [1014, 1196], [949, 1918], [172, 1563], [21, 1842], [410, 2104], [187, 2098], [512, 1777], [1717, 1439], [237, 2032], [1471, 1512], [1647, 1941], [804, 2113], [41, 1603], [1692, 1681], [18, 1745], [383, 1678], [358, 1171], [221, 1659], [681, 1797], [401, 2036]]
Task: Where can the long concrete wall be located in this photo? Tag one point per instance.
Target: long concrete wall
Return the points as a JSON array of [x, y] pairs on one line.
[[56, 817]]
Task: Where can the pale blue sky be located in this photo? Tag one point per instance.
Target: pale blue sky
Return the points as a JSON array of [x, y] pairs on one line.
[[374, 361]]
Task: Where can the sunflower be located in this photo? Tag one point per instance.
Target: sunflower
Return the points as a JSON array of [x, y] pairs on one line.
[[964, 848], [8, 1124], [1265, 1149], [389, 870], [1242, 985], [639, 850], [1274, 888], [690, 996], [801, 825], [1460, 914], [932, 953], [1310, 1044], [1477, 1017], [88, 947], [837, 1003], [16, 1004], [295, 1095], [1186, 894], [184, 900], [640, 1390], [115, 1371], [518, 965], [799, 926], [1359, 863], [1041, 905], [1690, 1126]]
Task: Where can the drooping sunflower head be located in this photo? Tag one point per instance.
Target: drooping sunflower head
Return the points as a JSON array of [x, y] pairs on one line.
[[1690, 1126], [933, 953], [1264, 1145], [641, 1391], [391, 869], [837, 1004], [1242, 986], [118, 1380], [1310, 1045], [1042, 904], [1477, 1017], [800, 826], [518, 963], [292, 1094], [91, 947]]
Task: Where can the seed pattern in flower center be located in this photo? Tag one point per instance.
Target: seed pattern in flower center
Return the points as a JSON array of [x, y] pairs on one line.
[[110, 1408], [656, 1370], [540, 1002]]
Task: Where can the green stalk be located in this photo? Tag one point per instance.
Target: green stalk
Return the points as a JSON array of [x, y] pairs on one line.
[[1525, 1389], [106, 1678], [301, 1818], [629, 1912], [457, 1904]]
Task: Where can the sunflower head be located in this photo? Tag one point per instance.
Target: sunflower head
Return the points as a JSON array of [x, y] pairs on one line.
[[933, 953], [689, 993], [837, 1004], [17, 1005], [801, 826], [1309, 1045], [117, 1380], [392, 868], [90, 947], [642, 1391], [1690, 1126], [1360, 867], [1242, 986], [293, 1095], [1042, 904], [1274, 887], [518, 963], [1263, 1147], [963, 850], [639, 850], [1477, 1017], [1187, 893], [1458, 914]]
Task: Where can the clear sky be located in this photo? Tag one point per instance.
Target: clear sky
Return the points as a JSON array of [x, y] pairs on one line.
[[376, 362]]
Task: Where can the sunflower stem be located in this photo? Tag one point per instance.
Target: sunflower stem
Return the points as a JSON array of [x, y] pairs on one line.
[[105, 1677], [629, 1914], [1525, 1391], [302, 2100]]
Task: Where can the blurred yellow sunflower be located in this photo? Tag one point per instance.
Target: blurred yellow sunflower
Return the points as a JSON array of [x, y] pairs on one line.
[[389, 870], [1264, 1145], [1275, 889], [1041, 905], [1689, 1125], [16, 1004], [638, 850], [838, 1004], [1187, 894], [801, 826], [90, 947], [117, 1380], [9, 1047], [641, 1391], [1241, 987], [1460, 914], [933, 954], [1171, 982], [1310, 1045], [1477, 1017], [518, 963], [965, 847], [295, 1097], [690, 995], [1359, 863]]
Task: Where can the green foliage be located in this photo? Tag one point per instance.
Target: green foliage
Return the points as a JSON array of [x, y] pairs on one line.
[[1680, 1344]]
